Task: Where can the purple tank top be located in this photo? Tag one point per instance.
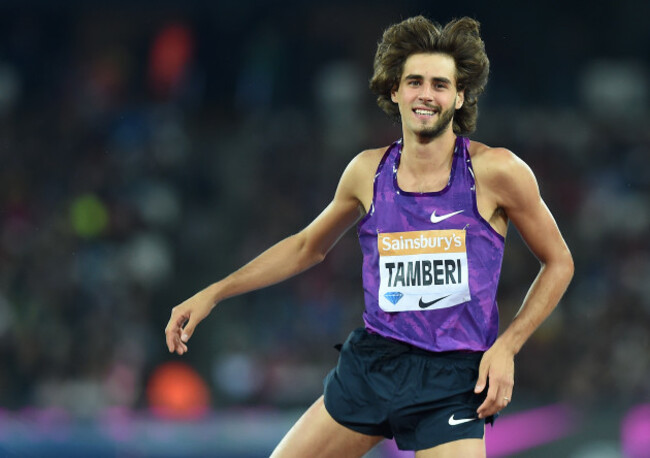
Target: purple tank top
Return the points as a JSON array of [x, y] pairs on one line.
[[431, 263]]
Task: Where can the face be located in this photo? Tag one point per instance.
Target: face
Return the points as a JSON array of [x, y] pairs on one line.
[[427, 95]]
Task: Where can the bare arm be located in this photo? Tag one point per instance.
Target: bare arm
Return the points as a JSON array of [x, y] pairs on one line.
[[280, 262], [517, 193]]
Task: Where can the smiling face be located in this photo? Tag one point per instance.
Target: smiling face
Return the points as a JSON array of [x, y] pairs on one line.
[[427, 96]]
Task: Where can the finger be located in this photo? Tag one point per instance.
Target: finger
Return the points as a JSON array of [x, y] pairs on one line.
[[506, 399], [188, 329], [482, 378], [177, 346], [493, 406], [171, 336], [488, 407], [172, 340], [482, 409], [181, 349], [174, 328], [176, 319], [504, 396]]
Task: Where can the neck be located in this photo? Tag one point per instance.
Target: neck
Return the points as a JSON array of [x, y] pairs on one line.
[[422, 155]]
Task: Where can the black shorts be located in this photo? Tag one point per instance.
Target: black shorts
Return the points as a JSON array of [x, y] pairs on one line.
[[382, 387]]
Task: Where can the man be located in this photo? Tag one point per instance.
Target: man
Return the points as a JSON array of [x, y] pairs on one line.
[[432, 212]]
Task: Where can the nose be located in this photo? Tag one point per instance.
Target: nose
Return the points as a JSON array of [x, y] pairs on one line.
[[426, 92]]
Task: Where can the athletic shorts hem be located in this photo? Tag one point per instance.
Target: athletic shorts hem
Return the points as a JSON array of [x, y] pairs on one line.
[[362, 429], [416, 447]]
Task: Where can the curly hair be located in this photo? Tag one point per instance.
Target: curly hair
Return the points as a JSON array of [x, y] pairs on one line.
[[459, 39]]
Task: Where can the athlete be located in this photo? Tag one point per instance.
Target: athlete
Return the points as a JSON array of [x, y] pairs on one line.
[[432, 209]]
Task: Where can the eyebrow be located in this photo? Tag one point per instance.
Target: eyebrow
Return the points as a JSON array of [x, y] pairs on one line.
[[438, 79]]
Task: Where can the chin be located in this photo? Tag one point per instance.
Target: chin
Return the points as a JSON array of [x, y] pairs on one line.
[[432, 132]]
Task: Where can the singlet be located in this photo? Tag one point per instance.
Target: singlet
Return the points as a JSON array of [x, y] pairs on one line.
[[431, 263]]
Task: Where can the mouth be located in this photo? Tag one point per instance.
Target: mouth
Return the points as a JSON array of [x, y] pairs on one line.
[[425, 113]]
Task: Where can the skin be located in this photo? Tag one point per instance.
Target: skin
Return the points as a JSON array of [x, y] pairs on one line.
[[506, 192]]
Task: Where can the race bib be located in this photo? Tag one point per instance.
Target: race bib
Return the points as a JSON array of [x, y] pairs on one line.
[[422, 270]]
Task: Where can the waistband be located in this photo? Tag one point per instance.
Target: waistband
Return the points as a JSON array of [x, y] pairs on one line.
[[364, 337]]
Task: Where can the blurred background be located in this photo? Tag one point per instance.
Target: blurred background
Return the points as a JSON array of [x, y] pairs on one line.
[[149, 148]]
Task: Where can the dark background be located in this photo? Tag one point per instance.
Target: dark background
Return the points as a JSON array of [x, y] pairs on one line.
[[149, 148]]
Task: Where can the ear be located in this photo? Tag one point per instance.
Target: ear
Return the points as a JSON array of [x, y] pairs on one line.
[[460, 99], [393, 93]]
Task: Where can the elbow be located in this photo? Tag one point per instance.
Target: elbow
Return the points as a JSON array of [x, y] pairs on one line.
[[311, 257], [318, 257], [308, 254], [569, 265], [562, 265], [565, 266]]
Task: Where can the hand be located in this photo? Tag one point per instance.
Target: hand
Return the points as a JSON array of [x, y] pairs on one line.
[[184, 319], [497, 366]]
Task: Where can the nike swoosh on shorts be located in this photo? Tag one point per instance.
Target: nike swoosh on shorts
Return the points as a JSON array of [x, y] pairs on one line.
[[453, 421]]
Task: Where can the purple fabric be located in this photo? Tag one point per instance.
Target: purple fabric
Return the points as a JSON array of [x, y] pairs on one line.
[[460, 324]]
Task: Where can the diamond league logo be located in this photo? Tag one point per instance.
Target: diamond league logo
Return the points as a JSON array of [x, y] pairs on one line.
[[393, 297]]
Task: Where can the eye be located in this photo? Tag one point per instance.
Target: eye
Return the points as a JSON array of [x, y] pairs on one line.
[[414, 83]]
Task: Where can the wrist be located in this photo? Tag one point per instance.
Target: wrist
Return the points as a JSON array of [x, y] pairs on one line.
[[508, 342], [213, 294]]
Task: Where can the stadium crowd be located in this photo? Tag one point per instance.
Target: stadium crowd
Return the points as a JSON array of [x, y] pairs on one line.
[[144, 155]]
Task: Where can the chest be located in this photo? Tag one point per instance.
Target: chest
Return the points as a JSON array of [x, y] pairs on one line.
[[421, 183]]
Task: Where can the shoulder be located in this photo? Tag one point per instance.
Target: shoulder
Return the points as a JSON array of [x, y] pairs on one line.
[[365, 163], [370, 158], [358, 178], [494, 159], [496, 162], [501, 172]]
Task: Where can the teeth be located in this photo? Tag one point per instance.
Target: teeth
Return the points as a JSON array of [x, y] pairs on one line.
[[425, 112]]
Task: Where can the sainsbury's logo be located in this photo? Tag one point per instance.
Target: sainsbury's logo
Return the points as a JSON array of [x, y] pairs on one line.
[[421, 242]]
